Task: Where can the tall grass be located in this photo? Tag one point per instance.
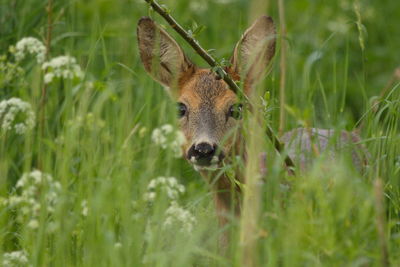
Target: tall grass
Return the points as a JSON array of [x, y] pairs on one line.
[[97, 139]]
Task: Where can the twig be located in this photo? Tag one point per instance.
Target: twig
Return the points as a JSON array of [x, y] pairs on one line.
[[381, 222], [49, 10], [42, 106], [282, 64], [213, 63], [279, 146]]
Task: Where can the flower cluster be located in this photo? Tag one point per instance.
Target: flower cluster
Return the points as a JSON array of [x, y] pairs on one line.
[[169, 138], [89, 120], [32, 190], [165, 185], [30, 45], [15, 258], [9, 72], [84, 207], [201, 6], [62, 67], [58, 67], [16, 115], [177, 215]]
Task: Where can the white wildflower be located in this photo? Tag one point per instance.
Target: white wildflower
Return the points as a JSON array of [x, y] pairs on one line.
[[150, 196], [224, 2], [34, 188], [198, 6], [169, 138], [33, 224], [30, 45], [62, 67], [167, 128], [88, 121], [165, 185], [16, 115], [48, 77], [117, 245], [340, 25], [15, 258], [10, 73], [180, 218], [85, 208], [142, 132]]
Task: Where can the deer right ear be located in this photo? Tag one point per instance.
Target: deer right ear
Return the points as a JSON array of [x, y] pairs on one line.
[[254, 52], [162, 57]]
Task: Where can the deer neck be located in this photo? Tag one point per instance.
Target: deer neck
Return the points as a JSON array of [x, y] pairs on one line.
[[226, 192]]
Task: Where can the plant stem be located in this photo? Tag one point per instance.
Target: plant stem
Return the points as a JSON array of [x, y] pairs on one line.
[[381, 222], [42, 105], [282, 64]]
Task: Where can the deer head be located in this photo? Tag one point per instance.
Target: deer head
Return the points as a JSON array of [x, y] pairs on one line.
[[209, 112]]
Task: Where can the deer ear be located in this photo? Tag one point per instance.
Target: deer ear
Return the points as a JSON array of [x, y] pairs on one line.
[[254, 52], [161, 56]]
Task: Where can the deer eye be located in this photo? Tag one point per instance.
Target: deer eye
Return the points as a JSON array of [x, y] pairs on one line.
[[182, 110], [235, 111]]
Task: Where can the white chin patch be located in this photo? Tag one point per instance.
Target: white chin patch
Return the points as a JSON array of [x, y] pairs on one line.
[[212, 167]]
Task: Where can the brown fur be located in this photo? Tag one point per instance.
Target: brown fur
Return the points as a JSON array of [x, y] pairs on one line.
[[209, 99]]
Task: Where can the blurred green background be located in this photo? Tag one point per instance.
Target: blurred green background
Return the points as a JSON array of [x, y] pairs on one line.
[[341, 56]]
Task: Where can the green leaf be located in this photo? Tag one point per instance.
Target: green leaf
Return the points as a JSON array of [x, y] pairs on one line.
[[220, 72], [267, 96], [199, 29]]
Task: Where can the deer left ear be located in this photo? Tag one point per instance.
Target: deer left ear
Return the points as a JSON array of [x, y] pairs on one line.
[[161, 56], [254, 52]]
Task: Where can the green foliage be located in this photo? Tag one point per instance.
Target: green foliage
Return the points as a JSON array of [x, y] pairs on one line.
[[96, 137]]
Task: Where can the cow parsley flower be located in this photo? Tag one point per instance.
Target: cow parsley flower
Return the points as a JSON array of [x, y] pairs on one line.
[[198, 6], [89, 121], [179, 217], [62, 67], [30, 45], [85, 208], [15, 258], [164, 185], [10, 73], [224, 2], [32, 189], [16, 115], [339, 25], [169, 138]]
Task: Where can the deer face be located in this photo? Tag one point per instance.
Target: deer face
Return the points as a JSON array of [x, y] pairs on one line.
[[209, 112]]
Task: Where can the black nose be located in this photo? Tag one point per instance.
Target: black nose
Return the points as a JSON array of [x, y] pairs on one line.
[[204, 149], [202, 153]]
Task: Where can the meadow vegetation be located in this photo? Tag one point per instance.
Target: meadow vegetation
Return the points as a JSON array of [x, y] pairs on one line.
[[90, 168]]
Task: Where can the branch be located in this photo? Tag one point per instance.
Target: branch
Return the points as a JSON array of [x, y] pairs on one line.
[[282, 64], [279, 146], [213, 63], [380, 221], [42, 106]]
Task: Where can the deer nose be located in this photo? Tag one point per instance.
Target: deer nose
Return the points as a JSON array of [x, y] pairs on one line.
[[202, 153], [204, 149]]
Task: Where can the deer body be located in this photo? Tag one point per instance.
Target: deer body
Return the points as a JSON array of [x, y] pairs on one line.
[[209, 112]]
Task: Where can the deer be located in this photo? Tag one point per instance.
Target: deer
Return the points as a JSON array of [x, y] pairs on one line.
[[208, 110]]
